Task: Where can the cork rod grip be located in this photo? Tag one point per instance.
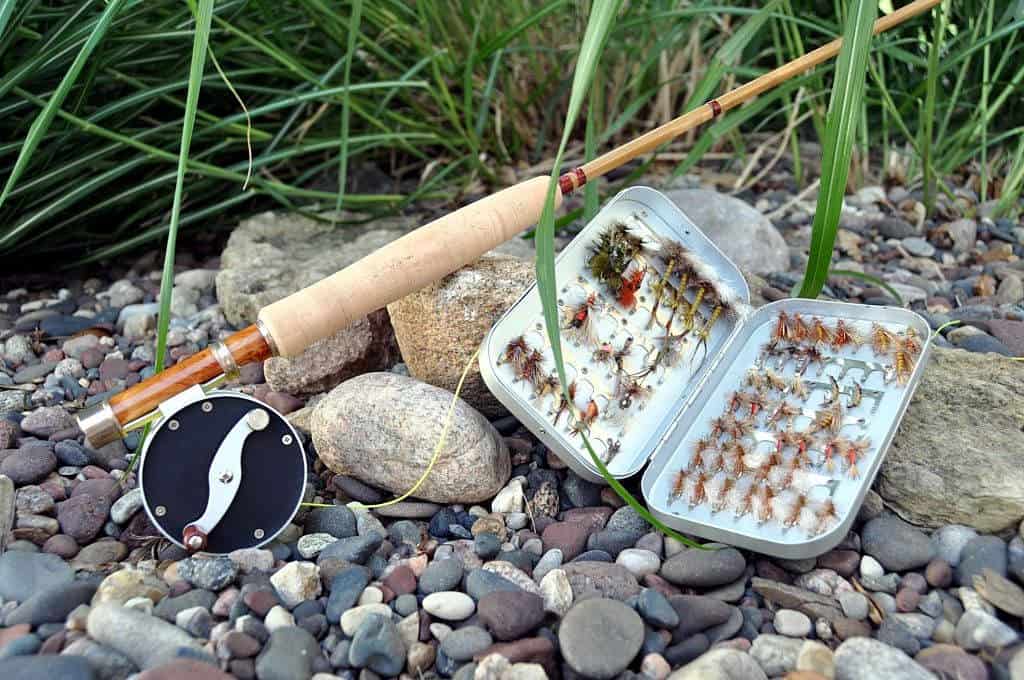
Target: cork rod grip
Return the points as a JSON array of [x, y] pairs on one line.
[[403, 266]]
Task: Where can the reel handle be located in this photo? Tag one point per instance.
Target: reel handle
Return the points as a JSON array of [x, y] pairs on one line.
[[403, 266]]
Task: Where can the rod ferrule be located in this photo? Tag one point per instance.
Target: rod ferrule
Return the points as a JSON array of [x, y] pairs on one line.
[[100, 425]]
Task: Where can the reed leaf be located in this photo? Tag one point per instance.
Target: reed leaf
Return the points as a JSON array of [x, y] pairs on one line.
[[203, 20], [837, 147]]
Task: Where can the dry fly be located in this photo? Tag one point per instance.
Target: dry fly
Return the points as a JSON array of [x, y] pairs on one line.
[[679, 484], [515, 353], [722, 492], [903, 362], [782, 329], [800, 330], [825, 516], [821, 334], [853, 452], [796, 508], [774, 381], [586, 418], [845, 336], [836, 445], [674, 255], [798, 388], [700, 447], [882, 339], [579, 322], [626, 295], [565, 404], [699, 490]]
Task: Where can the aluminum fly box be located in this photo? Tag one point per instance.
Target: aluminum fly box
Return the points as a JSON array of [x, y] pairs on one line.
[[762, 428]]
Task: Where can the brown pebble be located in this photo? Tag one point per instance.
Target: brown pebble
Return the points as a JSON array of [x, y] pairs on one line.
[[401, 580], [843, 562], [54, 643], [914, 581], [907, 600], [847, 628], [939, 574]]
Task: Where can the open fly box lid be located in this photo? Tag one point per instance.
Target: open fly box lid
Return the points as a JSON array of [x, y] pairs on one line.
[[758, 440]]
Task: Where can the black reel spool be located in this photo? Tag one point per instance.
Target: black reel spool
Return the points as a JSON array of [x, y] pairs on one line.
[[221, 471]]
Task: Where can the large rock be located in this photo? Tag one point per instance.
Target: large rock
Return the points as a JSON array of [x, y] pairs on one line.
[[272, 255], [741, 232], [440, 327], [382, 428], [956, 456], [721, 664], [366, 345]]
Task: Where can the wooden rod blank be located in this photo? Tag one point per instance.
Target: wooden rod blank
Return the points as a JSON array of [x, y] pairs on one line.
[[650, 141]]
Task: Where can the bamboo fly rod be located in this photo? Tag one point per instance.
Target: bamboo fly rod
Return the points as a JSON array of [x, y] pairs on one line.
[[289, 326]]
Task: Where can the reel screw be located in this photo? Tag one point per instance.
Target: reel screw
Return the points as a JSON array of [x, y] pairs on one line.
[[226, 478], [258, 533], [286, 440], [207, 407], [173, 425], [160, 511], [195, 542]]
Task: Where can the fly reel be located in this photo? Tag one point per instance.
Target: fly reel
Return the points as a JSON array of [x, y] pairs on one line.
[[221, 471]]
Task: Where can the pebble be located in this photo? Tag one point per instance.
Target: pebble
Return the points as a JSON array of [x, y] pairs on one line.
[[552, 559], [1001, 592], [721, 664], [356, 549], [556, 591], [126, 506], [948, 542], [938, 573], [815, 657], [29, 465], [639, 562], [440, 575], [792, 623], [46, 667], [378, 646], [23, 574], [978, 629], [600, 637], [511, 615], [208, 573], [449, 605], [897, 545], [249, 560], [53, 604], [289, 654], [854, 604], [146, 640], [465, 643], [656, 610], [296, 582], [278, 617], [310, 545], [353, 618], [980, 553], [862, 658], [775, 654], [699, 568]]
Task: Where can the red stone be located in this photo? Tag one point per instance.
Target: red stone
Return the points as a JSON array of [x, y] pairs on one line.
[[401, 580], [569, 537]]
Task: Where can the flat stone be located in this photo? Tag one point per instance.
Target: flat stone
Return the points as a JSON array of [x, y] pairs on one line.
[[599, 637], [948, 542], [792, 623], [697, 613], [697, 568], [131, 582], [861, 658], [556, 591], [951, 661], [208, 573], [440, 575], [337, 521], [896, 544], [1000, 591], [940, 469], [473, 466]]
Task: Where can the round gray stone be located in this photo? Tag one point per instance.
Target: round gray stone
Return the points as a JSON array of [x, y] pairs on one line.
[[599, 637]]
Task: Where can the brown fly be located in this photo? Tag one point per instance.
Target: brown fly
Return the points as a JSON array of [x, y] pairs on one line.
[[820, 333], [845, 336], [882, 339]]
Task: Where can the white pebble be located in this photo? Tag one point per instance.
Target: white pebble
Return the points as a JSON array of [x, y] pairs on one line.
[[278, 617], [639, 562], [440, 631], [450, 605], [870, 567], [792, 623], [371, 595]]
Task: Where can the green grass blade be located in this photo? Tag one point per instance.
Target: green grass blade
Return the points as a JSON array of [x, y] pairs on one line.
[[346, 101], [837, 147], [42, 122], [928, 112], [203, 19], [6, 10], [586, 64]]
